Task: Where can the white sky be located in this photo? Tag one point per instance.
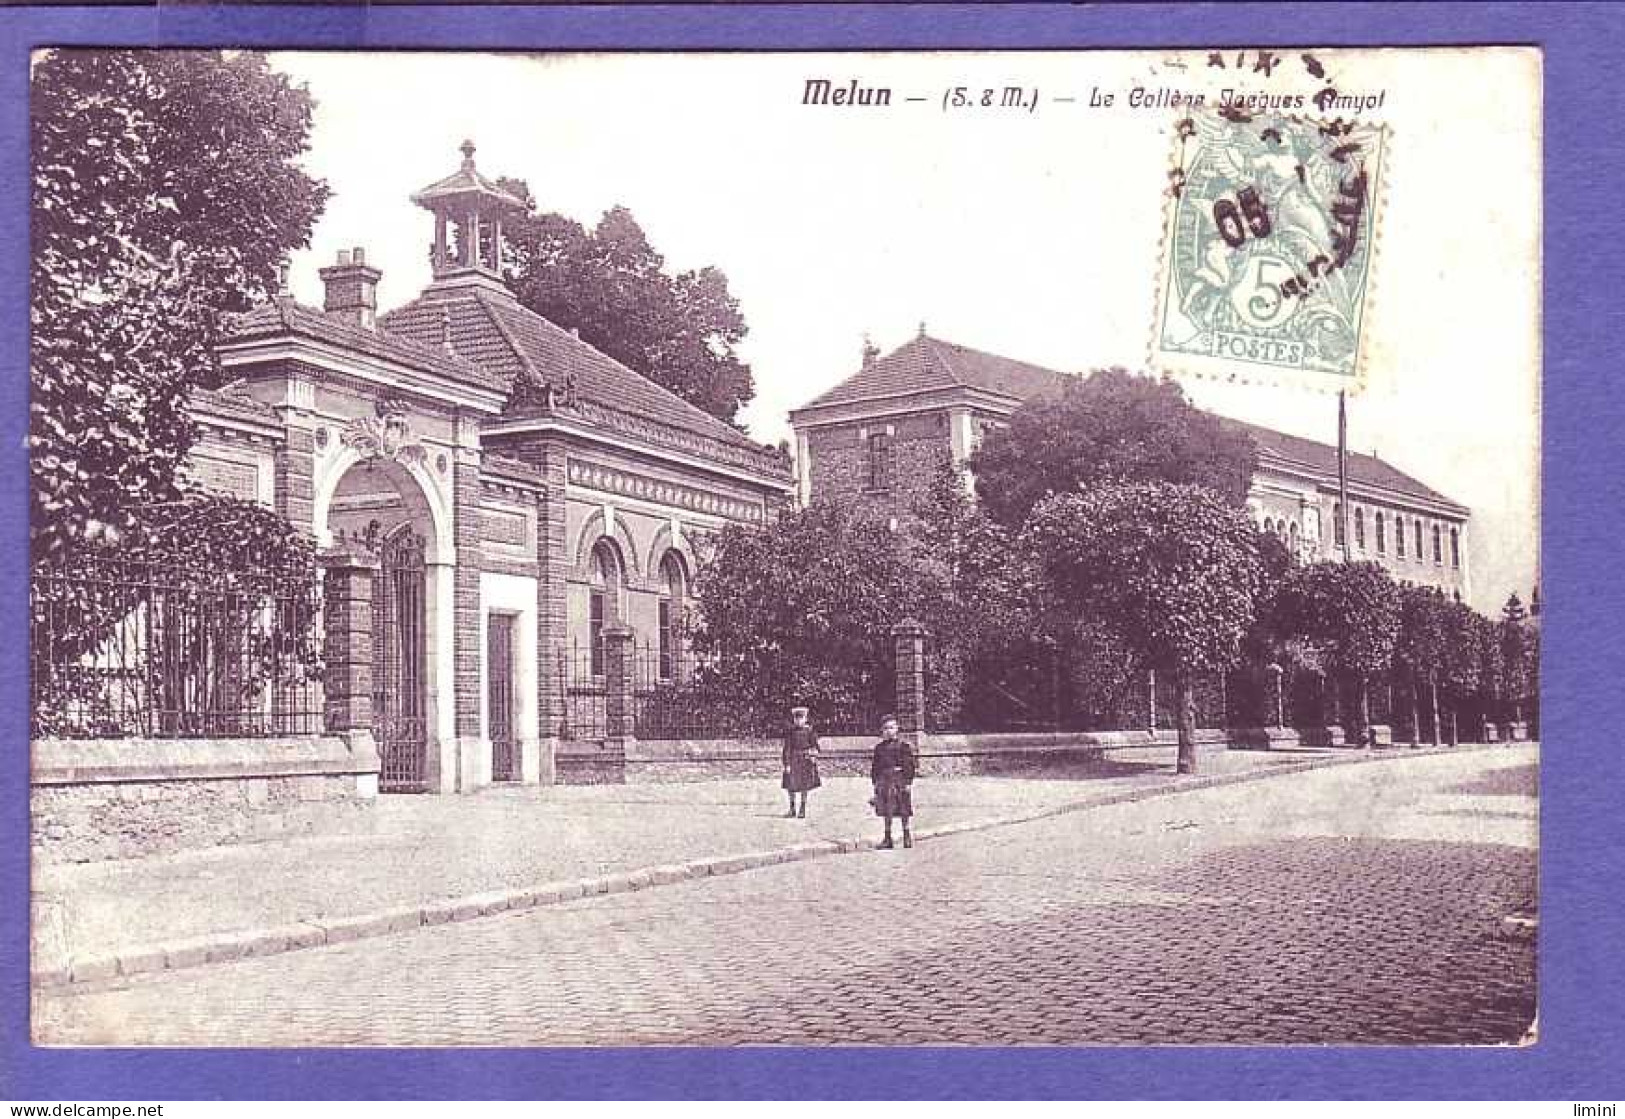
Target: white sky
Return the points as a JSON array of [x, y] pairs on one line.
[[1032, 235]]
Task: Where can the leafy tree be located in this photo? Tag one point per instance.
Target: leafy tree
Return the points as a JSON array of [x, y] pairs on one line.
[[680, 330], [1517, 661], [1270, 640], [1460, 662], [802, 611], [165, 192], [1172, 570], [1419, 652], [995, 652], [1114, 426], [1491, 668], [1349, 612]]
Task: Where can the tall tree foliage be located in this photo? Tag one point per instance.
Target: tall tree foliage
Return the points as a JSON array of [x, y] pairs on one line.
[[1518, 656], [987, 622], [1350, 612], [1114, 426], [802, 611], [681, 330], [1419, 651], [165, 192], [1172, 570]]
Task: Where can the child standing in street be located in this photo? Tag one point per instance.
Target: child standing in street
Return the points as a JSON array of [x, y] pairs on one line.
[[800, 761], [892, 771]]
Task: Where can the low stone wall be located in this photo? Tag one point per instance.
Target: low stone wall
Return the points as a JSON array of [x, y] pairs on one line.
[[91, 800]]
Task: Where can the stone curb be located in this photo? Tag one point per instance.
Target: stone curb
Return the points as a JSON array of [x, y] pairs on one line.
[[316, 932]]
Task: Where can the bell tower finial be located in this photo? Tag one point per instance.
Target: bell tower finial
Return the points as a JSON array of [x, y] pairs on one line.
[[467, 149]]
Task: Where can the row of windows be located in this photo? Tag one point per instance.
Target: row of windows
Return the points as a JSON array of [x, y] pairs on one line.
[[1283, 528], [1401, 531], [604, 605]]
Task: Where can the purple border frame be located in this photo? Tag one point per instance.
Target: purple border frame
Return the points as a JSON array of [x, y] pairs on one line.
[[1582, 965]]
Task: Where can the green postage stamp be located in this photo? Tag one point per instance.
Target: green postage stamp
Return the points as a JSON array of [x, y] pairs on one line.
[[1267, 253]]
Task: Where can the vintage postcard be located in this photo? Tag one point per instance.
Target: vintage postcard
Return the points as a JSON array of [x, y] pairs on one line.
[[785, 549]]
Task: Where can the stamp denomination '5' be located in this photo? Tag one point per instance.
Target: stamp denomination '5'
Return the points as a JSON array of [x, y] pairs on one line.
[[1269, 245]]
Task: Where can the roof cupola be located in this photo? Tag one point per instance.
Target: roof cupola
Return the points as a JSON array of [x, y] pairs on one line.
[[468, 210]]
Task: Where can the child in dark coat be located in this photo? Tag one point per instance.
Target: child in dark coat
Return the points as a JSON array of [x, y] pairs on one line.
[[800, 760], [892, 770]]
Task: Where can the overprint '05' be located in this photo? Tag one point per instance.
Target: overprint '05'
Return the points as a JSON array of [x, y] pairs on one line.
[[1268, 249]]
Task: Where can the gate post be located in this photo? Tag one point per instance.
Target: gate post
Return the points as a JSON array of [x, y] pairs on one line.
[[347, 580], [908, 636], [618, 709]]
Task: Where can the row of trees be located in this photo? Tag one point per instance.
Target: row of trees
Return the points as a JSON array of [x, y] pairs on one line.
[[1110, 539]]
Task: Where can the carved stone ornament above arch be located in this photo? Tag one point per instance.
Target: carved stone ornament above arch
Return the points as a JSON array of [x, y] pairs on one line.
[[388, 435], [593, 531]]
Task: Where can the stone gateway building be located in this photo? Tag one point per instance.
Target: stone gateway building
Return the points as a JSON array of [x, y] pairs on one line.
[[521, 498], [878, 436]]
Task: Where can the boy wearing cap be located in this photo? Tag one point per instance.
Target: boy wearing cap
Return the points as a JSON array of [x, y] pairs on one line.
[[800, 761]]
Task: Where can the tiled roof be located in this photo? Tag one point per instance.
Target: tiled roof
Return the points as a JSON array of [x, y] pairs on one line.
[[925, 363], [1322, 459], [284, 316], [499, 334]]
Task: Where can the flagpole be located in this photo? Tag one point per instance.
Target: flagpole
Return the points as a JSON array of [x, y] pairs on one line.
[[1343, 474]]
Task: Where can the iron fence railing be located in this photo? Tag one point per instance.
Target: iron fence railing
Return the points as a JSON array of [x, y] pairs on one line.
[[166, 647]]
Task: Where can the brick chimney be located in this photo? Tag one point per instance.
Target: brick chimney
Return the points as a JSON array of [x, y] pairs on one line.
[[352, 287]]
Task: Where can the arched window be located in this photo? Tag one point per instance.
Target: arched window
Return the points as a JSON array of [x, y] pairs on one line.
[[603, 600], [1438, 545], [1417, 537], [1399, 536], [1337, 523], [673, 588], [1292, 537], [1382, 535], [1359, 529], [1455, 547]]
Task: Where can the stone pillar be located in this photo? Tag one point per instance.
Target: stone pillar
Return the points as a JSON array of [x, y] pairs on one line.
[[347, 612], [347, 579], [473, 751], [619, 714], [295, 464], [908, 636]]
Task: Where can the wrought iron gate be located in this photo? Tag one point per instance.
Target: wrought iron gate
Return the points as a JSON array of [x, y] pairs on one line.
[[499, 697], [399, 700]]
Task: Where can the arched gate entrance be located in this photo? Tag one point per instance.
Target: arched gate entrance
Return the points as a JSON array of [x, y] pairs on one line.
[[400, 663]]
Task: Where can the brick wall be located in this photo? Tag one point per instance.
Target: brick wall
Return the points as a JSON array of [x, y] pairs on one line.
[[295, 473], [840, 461]]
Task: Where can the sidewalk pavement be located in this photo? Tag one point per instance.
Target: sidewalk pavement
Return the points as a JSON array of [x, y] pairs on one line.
[[428, 860]]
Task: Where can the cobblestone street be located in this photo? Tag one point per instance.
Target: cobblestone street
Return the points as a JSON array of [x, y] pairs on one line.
[[1356, 904]]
